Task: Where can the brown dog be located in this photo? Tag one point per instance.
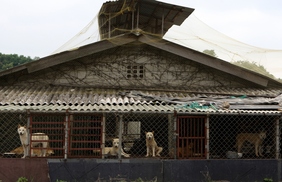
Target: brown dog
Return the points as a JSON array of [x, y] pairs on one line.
[[254, 138], [187, 151], [36, 152]]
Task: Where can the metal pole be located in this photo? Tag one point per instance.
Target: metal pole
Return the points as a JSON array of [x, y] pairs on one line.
[[66, 135], [109, 33], [132, 20], [120, 136], [208, 136], [103, 135], [277, 149], [29, 135], [175, 136], [163, 23], [277, 139], [137, 23]]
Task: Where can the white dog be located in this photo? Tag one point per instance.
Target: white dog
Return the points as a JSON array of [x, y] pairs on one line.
[[114, 149], [35, 136], [151, 144]]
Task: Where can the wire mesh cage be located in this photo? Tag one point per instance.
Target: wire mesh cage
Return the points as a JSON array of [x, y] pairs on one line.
[[244, 136], [51, 125], [132, 129], [192, 137], [9, 137], [85, 135], [123, 135]]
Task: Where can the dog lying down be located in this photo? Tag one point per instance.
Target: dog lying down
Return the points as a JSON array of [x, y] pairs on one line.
[[113, 151], [35, 152], [151, 145]]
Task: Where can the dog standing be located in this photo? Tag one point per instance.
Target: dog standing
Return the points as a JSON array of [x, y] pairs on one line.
[[35, 136], [151, 144], [254, 138], [114, 149]]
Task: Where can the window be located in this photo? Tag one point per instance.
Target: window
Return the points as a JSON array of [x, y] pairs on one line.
[[135, 71]]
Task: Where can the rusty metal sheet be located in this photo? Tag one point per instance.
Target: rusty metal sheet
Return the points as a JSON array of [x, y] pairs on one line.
[[32, 169]]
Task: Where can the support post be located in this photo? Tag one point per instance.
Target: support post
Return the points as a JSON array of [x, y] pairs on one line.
[[109, 30], [277, 151], [29, 135], [278, 148], [103, 135], [120, 136], [66, 147], [208, 137]]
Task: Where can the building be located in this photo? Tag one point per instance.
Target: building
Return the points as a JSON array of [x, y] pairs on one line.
[[133, 81]]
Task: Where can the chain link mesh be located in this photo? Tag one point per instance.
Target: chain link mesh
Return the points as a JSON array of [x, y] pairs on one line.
[[9, 137], [133, 129], [87, 135], [232, 134]]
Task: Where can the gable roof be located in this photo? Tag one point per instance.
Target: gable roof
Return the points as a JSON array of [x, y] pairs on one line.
[[154, 19], [198, 57], [264, 97]]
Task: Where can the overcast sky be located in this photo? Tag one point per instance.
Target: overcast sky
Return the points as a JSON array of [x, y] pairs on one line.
[[37, 28]]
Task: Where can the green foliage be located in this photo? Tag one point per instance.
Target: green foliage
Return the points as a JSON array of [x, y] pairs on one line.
[[254, 67], [210, 52], [267, 180], [22, 179], [11, 60]]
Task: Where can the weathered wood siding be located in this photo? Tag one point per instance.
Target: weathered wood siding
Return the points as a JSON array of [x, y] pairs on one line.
[[130, 66]]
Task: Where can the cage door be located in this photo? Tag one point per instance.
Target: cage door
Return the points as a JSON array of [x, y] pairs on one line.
[[191, 139]]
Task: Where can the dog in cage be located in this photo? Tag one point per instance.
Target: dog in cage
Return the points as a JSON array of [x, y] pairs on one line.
[[152, 148], [186, 151], [35, 152], [254, 138], [24, 137], [113, 151]]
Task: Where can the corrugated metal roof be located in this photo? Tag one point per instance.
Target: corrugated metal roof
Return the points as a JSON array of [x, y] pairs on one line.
[[62, 98], [140, 108], [63, 95]]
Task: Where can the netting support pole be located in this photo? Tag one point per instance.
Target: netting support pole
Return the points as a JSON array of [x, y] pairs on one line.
[[109, 34], [132, 20], [120, 136], [208, 137], [137, 23], [163, 23]]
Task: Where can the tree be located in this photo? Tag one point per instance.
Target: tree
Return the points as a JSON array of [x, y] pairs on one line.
[[254, 67], [210, 52], [11, 60]]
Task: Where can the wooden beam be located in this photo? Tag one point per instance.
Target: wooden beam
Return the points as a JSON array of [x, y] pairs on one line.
[[78, 53]]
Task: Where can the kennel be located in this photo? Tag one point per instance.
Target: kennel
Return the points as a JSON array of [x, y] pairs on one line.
[[182, 136]]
